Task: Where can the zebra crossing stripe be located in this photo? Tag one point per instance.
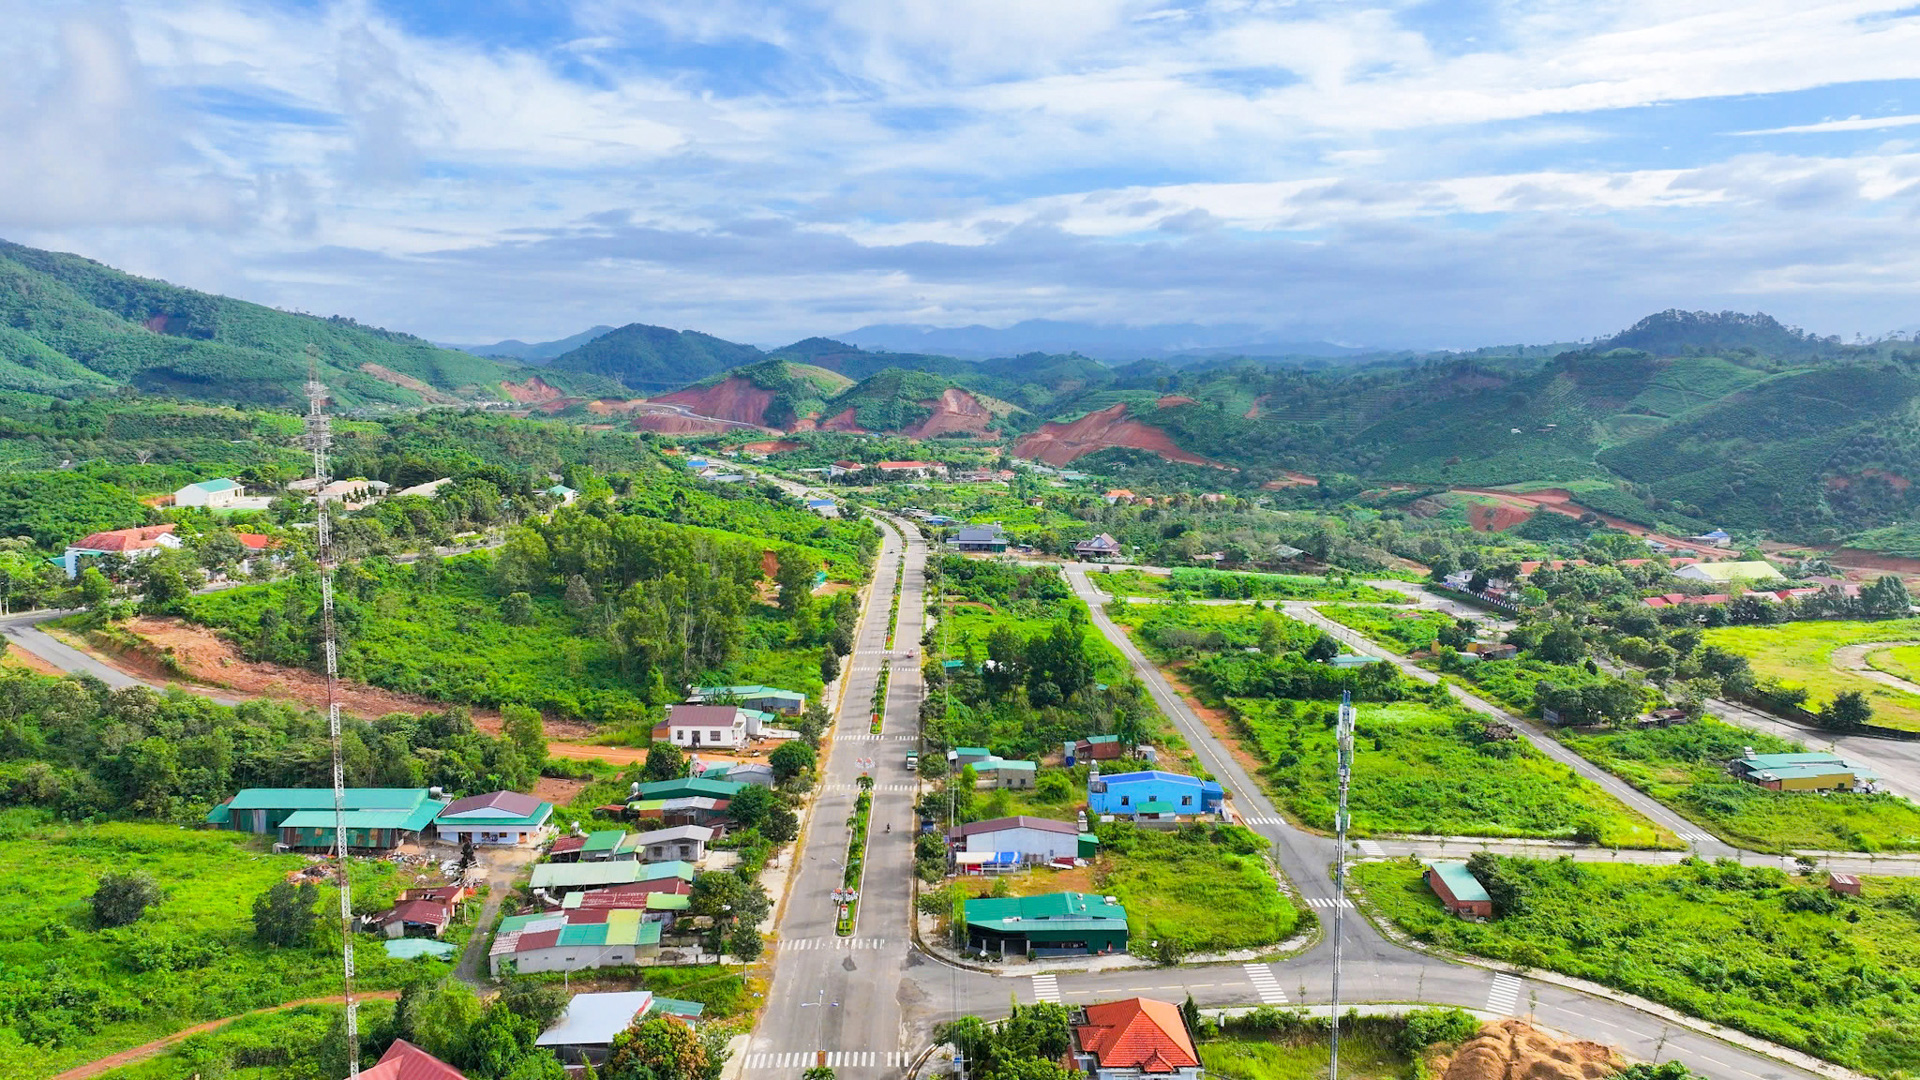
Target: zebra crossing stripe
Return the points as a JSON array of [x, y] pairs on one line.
[[1504, 993], [1265, 984], [1046, 988], [1371, 849], [1328, 902], [803, 944], [836, 1059]]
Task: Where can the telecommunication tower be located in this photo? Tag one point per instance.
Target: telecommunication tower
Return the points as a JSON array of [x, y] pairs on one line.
[[319, 436], [1343, 740]]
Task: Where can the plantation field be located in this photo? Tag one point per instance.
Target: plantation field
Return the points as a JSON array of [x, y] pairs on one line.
[[1424, 769], [1685, 767], [1801, 654], [1225, 584], [1746, 947], [452, 642], [70, 992], [1206, 888], [1402, 630]]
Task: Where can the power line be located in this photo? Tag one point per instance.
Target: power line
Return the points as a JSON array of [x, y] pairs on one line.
[[319, 437]]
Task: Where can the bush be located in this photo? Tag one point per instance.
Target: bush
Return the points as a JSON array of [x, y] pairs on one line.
[[122, 898]]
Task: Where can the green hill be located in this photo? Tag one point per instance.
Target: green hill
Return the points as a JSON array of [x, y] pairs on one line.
[[70, 325], [653, 359]]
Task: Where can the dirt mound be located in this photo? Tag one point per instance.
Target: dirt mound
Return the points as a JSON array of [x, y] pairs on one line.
[[1058, 444], [433, 396], [1170, 400], [733, 399], [534, 391], [954, 410], [615, 406], [771, 447], [678, 424], [1516, 1050], [1493, 519]]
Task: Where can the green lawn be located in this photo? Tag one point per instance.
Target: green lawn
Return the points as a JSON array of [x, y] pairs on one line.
[[290, 1045], [1425, 769], [1902, 661], [70, 993], [1800, 653], [1746, 947], [1364, 1055], [1206, 887], [1685, 768]]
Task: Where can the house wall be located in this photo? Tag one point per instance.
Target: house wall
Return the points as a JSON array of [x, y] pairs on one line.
[[1031, 843], [577, 957], [1127, 798], [672, 850], [728, 736], [1012, 780], [488, 835]]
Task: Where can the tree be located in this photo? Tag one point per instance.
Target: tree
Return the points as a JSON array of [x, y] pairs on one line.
[[665, 761], [1323, 648], [120, 899], [751, 805], [579, 599], [426, 572], [781, 826], [817, 1072], [656, 1047], [1887, 596], [518, 609], [283, 916], [1848, 711], [166, 580], [795, 577], [791, 759], [436, 1014], [829, 666], [92, 588], [543, 1003], [1190, 1015]]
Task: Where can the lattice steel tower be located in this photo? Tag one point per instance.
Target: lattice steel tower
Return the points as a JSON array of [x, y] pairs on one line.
[[319, 436], [1343, 739]]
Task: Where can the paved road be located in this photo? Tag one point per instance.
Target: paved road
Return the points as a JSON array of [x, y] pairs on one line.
[[844, 996]]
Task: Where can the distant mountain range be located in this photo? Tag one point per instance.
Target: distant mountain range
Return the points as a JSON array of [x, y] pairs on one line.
[[1111, 343], [532, 352]]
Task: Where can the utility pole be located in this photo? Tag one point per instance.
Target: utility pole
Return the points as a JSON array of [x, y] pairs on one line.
[[1343, 739], [319, 436]]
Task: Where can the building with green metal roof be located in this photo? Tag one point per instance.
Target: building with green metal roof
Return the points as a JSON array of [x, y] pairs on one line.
[[686, 787], [1459, 891], [303, 818], [1050, 924], [769, 699], [1815, 771]]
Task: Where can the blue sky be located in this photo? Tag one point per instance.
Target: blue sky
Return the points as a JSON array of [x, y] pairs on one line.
[[1404, 173]]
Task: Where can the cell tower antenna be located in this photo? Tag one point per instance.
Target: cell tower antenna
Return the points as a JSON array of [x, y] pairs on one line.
[[319, 437], [1343, 739]]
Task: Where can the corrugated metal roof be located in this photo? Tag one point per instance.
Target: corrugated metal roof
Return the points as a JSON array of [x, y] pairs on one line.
[[1460, 881], [322, 798]]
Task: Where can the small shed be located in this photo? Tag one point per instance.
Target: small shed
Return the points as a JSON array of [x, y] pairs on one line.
[[1459, 891], [1843, 884]]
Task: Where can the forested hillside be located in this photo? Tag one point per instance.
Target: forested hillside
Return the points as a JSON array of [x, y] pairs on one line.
[[71, 325]]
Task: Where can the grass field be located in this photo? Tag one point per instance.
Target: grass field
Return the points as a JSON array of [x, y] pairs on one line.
[[70, 993], [1421, 769], [1901, 661], [290, 1045], [1746, 947], [1207, 888], [1219, 584], [1685, 768], [1364, 1055], [1801, 653], [1399, 629]]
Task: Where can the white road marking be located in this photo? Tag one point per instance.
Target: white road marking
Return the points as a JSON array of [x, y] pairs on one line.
[[1372, 850], [804, 944], [1265, 984], [1504, 994], [1046, 988], [1327, 902]]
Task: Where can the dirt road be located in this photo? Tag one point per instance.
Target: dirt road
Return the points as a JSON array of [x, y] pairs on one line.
[[147, 1050]]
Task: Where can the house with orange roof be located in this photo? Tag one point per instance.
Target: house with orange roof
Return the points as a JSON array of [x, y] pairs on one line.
[[912, 468], [1131, 1039], [132, 543], [405, 1061], [1117, 495]]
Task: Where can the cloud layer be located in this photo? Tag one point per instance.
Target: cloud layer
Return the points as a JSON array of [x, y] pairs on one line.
[[1431, 173]]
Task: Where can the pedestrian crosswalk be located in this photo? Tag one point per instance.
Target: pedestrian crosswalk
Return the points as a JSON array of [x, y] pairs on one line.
[[1265, 984], [1328, 902], [845, 789], [1372, 850], [1262, 821], [1046, 988], [1504, 995], [853, 943], [1695, 837], [865, 736], [836, 1059]]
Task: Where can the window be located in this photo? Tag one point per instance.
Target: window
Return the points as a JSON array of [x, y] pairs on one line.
[[1123, 800], [1186, 800], [714, 735]]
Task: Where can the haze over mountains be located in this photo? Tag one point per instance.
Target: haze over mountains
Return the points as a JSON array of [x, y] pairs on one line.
[[1112, 343]]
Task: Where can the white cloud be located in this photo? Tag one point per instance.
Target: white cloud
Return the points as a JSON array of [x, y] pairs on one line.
[[1852, 123]]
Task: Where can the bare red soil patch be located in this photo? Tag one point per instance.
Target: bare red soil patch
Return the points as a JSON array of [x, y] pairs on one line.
[[1291, 479], [770, 447], [534, 391], [557, 790], [677, 424], [733, 399], [1059, 444], [1168, 401], [840, 421], [954, 410], [1253, 410], [1492, 519], [432, 395]]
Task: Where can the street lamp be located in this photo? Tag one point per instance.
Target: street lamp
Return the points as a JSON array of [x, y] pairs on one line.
[[820, 1040]]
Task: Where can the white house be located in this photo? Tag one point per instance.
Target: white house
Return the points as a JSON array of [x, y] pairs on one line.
[[211, 494], [136, 543], [500, 818], [683, 843], [704, 725], [1750, 572], [1037, 840]]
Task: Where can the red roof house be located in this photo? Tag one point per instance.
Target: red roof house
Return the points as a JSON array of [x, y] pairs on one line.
[[405, 1061], [1134, 1037]]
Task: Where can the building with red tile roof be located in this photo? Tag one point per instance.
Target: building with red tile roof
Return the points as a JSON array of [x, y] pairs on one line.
[[131, 543], [405, 1061], [1136, 1037]]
